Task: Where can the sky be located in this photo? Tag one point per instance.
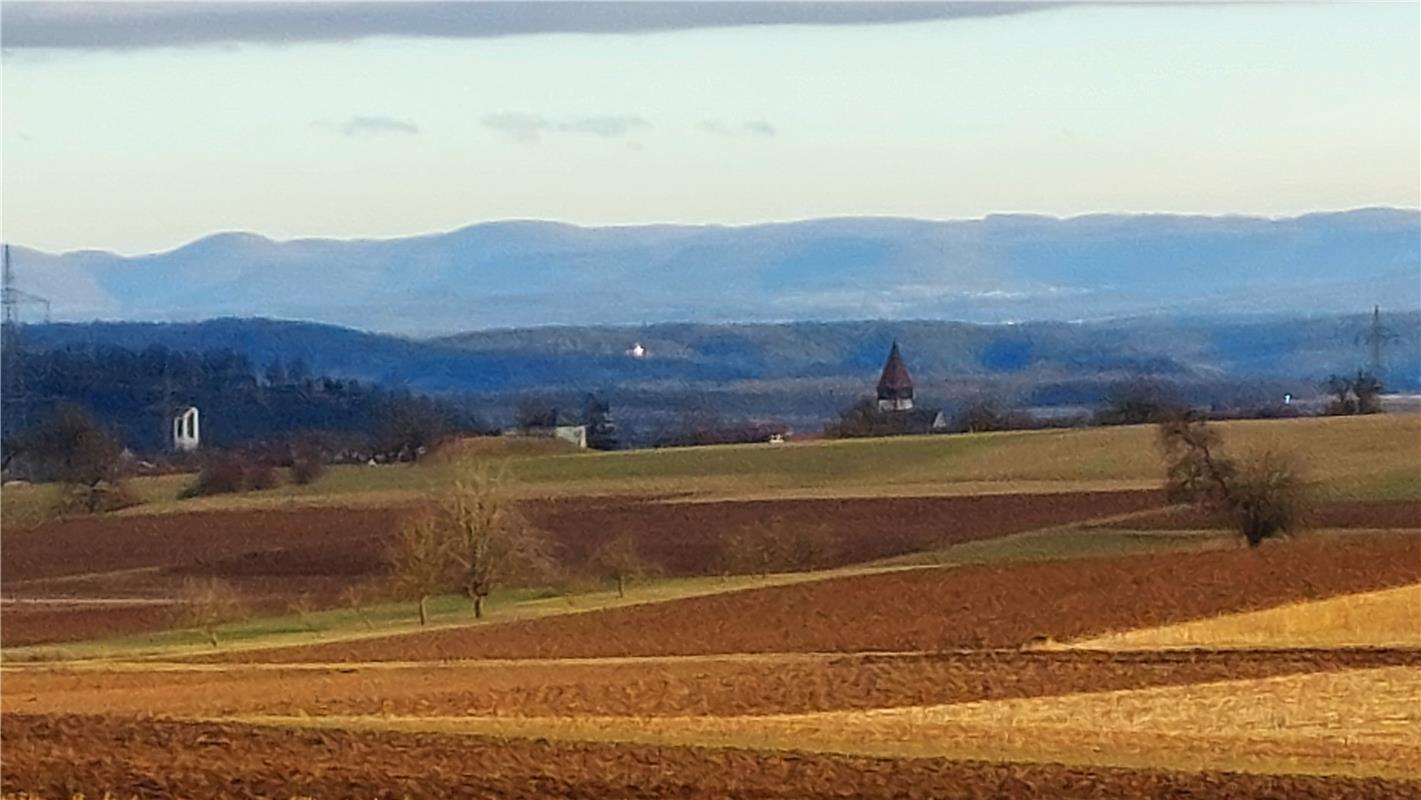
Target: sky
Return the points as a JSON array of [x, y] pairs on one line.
[[139, 128]]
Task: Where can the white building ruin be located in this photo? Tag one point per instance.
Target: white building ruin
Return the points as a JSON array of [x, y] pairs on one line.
[[186, 433]]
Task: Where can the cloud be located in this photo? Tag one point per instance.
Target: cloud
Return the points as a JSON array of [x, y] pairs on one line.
[[368, 125], [530, 128], [110, 25], [754, 127]]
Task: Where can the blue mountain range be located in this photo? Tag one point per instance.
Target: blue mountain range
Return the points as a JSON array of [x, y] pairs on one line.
[[1001, 268]]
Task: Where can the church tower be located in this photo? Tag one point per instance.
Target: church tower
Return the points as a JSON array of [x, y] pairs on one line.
[[895, 386]]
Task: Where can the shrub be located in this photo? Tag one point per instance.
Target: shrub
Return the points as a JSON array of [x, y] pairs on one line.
[[308, 460], [104, 496], [228, 473]]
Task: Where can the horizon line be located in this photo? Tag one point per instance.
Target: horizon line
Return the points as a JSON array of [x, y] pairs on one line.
[[237, 232]]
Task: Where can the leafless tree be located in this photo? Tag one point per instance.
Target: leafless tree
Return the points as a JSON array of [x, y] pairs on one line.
[[421, 559], [471, 539], [207, 604], [776, 545], [621, 560], [73, 448], [355, 597], [491, 542], [1262, 496]]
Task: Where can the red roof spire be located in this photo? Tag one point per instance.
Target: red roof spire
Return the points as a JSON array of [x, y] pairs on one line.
[[895, 383]]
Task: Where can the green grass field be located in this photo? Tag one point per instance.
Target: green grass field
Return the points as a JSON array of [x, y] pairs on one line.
[[1358, 458]]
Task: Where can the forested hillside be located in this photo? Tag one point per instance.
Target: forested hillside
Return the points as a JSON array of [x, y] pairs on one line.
[[803, 374], [134, 393]]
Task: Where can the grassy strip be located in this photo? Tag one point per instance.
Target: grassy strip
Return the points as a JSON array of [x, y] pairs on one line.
[[390, 619]]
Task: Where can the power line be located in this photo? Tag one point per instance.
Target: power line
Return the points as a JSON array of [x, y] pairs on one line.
[[11, 296], [1375, 338]]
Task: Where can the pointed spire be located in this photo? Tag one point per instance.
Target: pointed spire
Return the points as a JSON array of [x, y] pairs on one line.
[[895, 382]]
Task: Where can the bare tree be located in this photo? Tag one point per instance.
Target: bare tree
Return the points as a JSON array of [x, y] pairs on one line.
[[1360, 394], [621, 560], [1368, 389], [355, 597], [421, 560], [1262, 496], [73, 448], [1269, 496], [1137, 401], [471, 538], [207, 604], [776, 546], [747, 550], [490, 541]]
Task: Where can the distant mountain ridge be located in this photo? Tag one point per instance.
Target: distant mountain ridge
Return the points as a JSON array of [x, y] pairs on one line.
[[524, 273]]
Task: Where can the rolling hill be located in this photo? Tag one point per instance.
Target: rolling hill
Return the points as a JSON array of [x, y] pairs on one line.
[[802, 373], [1000, 268]]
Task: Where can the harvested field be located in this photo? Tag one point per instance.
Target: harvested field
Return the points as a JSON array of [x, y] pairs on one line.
[[1386, 618], [719, 686], [57, 756], [1006, 605], [1354, 722], [1394, 514]]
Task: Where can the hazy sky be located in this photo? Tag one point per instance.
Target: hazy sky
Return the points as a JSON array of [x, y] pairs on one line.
[[134, 140]]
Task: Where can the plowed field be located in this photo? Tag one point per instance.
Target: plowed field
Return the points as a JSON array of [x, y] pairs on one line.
[[1005, 605], [272, 556], [681, 537], [709, 687], [58, 756]]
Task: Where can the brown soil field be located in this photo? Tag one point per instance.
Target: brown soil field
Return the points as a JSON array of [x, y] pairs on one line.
[[996, 605], [31, 625], [675, 687], [59, 756], [325, 549], [684, 538], [680, 537], [1396, 514], [326, 538]]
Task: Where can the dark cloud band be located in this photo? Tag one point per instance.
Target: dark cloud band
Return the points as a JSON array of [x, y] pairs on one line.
[[121, 25]]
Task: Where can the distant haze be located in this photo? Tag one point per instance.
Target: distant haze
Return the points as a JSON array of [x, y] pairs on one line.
[[998, 269]]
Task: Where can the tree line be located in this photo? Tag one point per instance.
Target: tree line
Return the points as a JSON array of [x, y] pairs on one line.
[[133, 394]]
